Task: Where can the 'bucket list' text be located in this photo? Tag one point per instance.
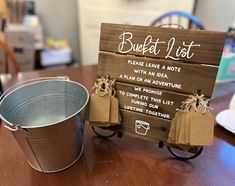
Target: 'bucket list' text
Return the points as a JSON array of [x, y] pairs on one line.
[[152, 46]]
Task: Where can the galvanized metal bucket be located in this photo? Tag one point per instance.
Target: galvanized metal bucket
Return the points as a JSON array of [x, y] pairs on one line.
[[45, 117]]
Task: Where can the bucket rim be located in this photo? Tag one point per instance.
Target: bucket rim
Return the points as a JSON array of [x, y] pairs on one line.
[[48, 124]]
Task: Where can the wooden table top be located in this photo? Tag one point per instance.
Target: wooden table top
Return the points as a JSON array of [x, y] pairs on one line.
[[121, 161]]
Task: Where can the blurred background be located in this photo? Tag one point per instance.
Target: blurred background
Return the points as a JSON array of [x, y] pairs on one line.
[[54, 33]]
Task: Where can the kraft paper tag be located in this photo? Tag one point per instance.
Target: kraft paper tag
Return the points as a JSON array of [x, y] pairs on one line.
[[181, 138], [99, 124], [171, 135], [104, 107], [188, 127], [99, 110], [193, 125], [114, 110], [178, 125], [119, 120], [115, 117], [201, 128]]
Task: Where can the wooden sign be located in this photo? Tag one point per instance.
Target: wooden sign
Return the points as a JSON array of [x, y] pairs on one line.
[[153, 102], [144, 126], [156, 69], [195, 46], [158, 73]]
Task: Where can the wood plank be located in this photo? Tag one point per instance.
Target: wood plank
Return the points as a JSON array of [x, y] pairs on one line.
[[154, 102], [151, 128], [209, 52], [158, 73]]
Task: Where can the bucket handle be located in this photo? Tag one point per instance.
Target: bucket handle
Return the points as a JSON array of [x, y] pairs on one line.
[[15, 128], [12, 128], [28, 82]]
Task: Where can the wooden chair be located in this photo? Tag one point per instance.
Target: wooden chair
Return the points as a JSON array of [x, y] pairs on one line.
[[8, 57], [176, 17]]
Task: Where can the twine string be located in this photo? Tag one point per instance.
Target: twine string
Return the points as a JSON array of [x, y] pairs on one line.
[[190, 104], [104, 86]]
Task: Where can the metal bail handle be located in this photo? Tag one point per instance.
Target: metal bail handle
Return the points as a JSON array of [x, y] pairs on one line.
[[28, 82], [15, 128], [12, 128]]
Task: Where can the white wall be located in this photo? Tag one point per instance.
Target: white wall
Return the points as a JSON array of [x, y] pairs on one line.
[[216, 14], [59, 20], [91, 13]]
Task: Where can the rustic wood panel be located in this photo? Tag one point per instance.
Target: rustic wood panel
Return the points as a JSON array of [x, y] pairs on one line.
[[180, 77], [158, 128], [209, 52], [154, 102]]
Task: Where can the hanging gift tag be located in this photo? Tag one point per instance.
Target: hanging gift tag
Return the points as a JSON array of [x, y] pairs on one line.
[[181, 138], [99, 124], [114, 112], [201, 128], [104, 107], [192, 124], [99, 110], [178, 125], [187, 128], [171, 135]]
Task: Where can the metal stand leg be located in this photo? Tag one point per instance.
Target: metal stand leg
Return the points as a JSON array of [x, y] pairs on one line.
[[106, 136], [161, 144], [187, 155], [119, 134]]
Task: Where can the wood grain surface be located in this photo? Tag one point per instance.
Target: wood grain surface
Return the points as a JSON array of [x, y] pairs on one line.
[[190, 77], [121, 161], [150, 101], [209, 52], [158, 128]]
